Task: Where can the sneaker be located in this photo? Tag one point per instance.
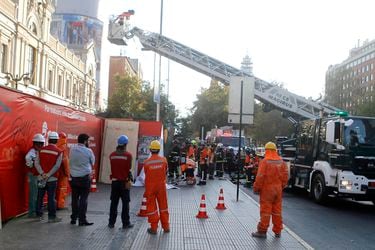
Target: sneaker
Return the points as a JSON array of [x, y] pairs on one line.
[[259, 235], [111, 225], [128, 226], [167, 230], [150, 231], [41, 217], [54, 220], [278, 235]]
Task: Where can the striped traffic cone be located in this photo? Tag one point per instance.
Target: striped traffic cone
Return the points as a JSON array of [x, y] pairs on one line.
[[202, 214], [93, 185], [143, 210], [220, 203]]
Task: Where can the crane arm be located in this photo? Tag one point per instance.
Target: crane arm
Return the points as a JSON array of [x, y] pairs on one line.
[[265, 92]]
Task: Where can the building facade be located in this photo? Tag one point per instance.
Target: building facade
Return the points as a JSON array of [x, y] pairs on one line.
[[122, 66], [351, 83], [76, 25], [34, 62]]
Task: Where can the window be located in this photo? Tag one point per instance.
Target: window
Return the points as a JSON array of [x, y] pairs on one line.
[[67, 88], [3, 58], [59, 85], [31, 63], [50, 80], [75, 91]]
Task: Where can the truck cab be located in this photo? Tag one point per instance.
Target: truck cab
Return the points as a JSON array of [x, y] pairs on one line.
[[335, 156]]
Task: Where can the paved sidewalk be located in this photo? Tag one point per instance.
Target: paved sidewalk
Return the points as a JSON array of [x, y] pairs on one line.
[[224, 229]]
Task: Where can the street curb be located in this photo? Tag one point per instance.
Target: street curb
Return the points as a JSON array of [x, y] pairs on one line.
[[294, 235]]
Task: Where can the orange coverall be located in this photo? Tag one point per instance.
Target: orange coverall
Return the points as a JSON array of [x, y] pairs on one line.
[[191, 152], [155, 169], [271, 178], [64, 172]]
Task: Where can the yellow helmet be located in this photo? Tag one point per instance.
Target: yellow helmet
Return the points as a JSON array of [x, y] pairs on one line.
[[155, 145], [270, 145]]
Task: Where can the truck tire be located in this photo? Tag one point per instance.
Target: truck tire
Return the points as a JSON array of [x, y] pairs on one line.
[[318, 191]]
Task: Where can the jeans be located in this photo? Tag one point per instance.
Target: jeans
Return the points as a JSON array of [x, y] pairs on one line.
[[118, 191], [33, 193], [50, 188], [80, 192]]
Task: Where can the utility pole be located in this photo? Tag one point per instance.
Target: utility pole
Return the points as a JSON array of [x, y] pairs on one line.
[[161, 32]]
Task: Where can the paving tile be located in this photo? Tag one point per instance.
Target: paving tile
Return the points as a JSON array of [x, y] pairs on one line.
[[227, 229]]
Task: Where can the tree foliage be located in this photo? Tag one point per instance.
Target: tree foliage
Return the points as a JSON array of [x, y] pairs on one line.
[[367, 109], [211, 107], [134, 99], [267, 125]]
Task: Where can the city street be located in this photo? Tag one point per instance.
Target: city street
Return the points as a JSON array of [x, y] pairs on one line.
[[341, 224]]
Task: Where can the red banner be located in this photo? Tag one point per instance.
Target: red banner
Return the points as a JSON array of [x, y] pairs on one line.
[[21, 116]]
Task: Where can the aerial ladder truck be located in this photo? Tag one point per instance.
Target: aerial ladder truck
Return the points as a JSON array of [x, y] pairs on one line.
[[334, 153]]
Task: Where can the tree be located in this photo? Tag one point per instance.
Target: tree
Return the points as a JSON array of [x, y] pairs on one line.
[[135, 99], [127, 100], [366, 109], [267, 125], [211, 107]]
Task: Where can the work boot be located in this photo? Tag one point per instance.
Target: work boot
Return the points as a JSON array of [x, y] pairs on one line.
[[151, 231], [85, 223], [54, 220], [278, 235], [126, 226], [258, 234]]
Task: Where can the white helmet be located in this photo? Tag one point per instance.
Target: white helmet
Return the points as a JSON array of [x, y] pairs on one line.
[[53, 135], [38, 138]]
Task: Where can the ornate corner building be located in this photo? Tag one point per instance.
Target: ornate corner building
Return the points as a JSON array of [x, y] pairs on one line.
[[35, 62], [351, 83]]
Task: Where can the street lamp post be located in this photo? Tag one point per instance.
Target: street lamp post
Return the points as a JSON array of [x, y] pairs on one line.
[[161, 32], [25, 77]]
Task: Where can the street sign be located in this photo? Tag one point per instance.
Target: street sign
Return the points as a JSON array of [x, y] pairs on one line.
[[235, 100]]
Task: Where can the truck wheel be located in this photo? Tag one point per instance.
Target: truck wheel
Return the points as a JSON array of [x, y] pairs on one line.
[[318, 191]]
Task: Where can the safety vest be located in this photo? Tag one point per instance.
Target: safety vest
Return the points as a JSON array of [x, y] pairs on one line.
[[120, 165], [48, 156]]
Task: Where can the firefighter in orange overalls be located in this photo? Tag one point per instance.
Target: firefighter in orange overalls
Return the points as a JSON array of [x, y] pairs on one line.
[[203, 163], [190, 154], [155, 168], [270, 181], [64, 172]]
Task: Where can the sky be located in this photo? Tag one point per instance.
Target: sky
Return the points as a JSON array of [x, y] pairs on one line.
[[290, 41]]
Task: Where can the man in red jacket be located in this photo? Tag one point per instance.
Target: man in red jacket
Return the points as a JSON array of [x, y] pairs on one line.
[[155, 169], [121, 162], [47, 163], [271, 179]]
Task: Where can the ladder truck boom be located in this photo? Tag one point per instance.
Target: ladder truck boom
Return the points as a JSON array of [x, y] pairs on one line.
[[265, 92]]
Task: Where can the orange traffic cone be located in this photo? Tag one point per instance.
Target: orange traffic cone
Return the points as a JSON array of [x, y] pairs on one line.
[[93, 185], [220, 204], [202, 214], [143, 210]]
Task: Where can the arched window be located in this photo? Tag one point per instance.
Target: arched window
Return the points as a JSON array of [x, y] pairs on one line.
[[33, 29]]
